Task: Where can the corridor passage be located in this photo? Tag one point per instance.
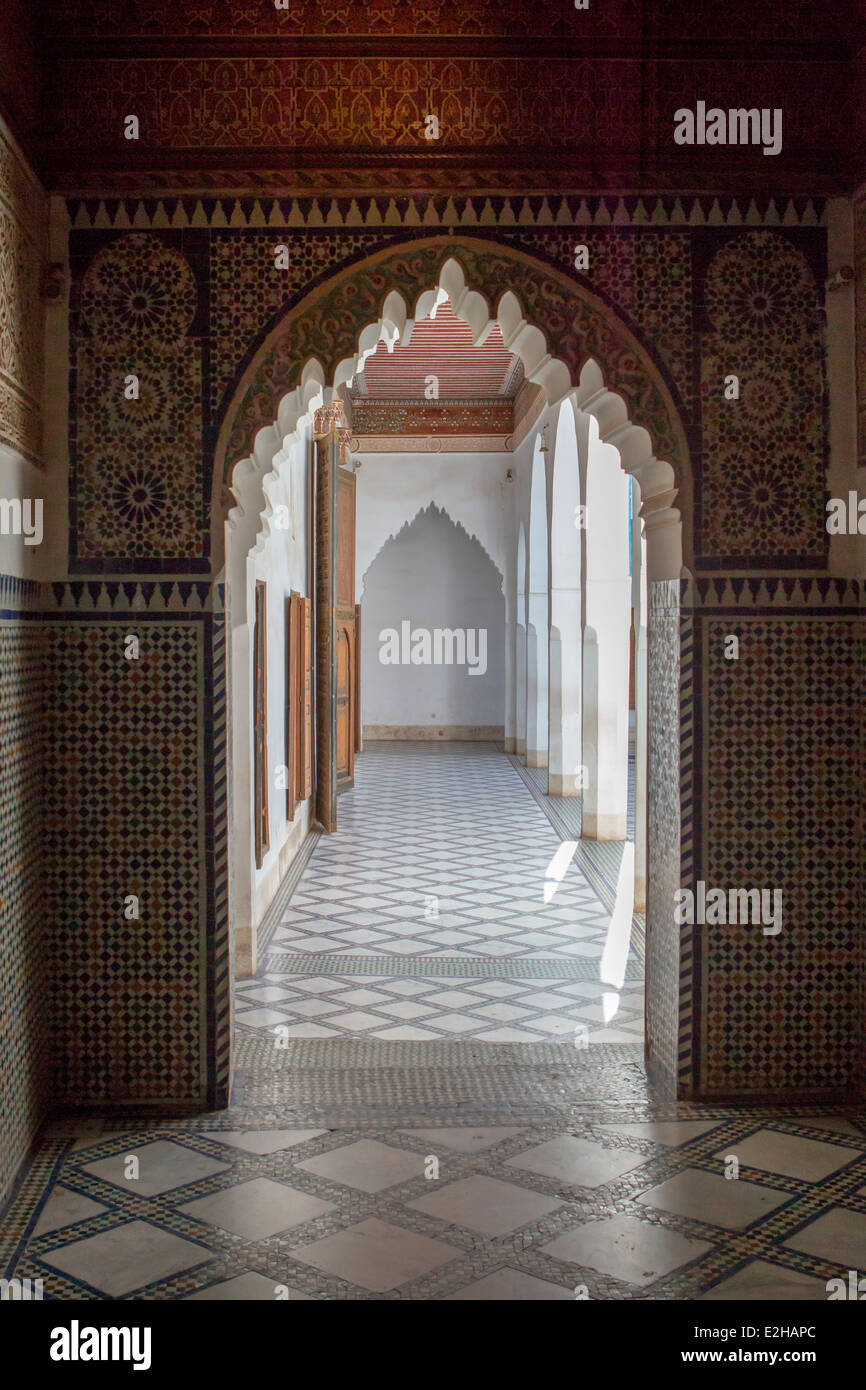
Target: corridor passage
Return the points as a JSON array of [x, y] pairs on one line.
[[437, 911]]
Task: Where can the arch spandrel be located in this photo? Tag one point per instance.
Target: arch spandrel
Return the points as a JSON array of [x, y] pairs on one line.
[[326, 326]]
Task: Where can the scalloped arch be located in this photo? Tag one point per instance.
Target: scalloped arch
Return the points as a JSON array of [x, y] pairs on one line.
[[570, 343], [565, 336]]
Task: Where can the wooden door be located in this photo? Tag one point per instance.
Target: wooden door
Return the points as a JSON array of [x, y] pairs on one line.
[[304, 747], [345, 722], [326, 624], [293, 704], [260, 722], [347, 645], [357, 677]]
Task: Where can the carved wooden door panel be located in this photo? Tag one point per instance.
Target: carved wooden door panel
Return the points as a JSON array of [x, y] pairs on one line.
[[305, 726], [357, 678], [326, 624], [260, 723], [345, 722], [347, 645]]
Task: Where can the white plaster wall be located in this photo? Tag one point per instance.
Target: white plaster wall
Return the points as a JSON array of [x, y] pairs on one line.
[[475, 493], [269, 546], [472, 489], [280, 560], [433, 575]]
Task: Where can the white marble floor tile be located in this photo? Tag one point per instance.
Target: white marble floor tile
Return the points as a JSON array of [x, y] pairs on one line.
[[636, 1251], [730, 1203], [366, 1165], [127, 1257], [377, 1255], [256, 1209], [487, 1205], [162, 1166]]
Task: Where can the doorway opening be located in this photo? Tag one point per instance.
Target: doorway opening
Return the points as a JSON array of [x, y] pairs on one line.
[[563, 517]]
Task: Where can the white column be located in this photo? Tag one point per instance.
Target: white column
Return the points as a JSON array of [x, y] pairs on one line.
[[566, 532], [510, 636], [639, 610], [536, 681], [564, 777], [606, 648], [520, 694]]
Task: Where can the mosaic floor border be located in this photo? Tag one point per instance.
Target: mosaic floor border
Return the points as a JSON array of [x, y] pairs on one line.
[[253, 1052], [273, 916], [437, 966]]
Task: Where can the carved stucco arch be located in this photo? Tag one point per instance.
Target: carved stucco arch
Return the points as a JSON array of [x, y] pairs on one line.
[[567, 339]]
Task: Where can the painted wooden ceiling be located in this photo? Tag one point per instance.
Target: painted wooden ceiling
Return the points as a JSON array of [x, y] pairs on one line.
[[441, 346], [330, 96]]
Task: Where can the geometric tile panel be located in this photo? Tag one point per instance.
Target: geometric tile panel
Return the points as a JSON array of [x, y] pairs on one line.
[[664, 812], [783, 762], [123, 786], [147, 299], [762, 493], [136, 479], [25, 1045], [649, 278], [246, 294]]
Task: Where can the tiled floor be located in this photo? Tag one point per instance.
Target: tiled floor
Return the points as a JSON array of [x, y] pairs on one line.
[[444, 857], [411, 1118], [420, 1198]]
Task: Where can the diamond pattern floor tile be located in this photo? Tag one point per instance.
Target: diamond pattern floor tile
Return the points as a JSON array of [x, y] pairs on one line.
[[791, 1155], [367, 1166], [376, 1255], [719, 1201], [367, 891], [64, 1208], [246, 1288], [577, 1161], [127, 1257], [256, 1209], [162, 1166], [760, 1282], [635, 1251], [487, 1205], [511, 1285], [838, 1236]]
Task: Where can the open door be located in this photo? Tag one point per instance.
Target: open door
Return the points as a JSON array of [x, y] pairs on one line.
[[357, 678], [260, 720], [326, 465], [347, 646], [335, 644]]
